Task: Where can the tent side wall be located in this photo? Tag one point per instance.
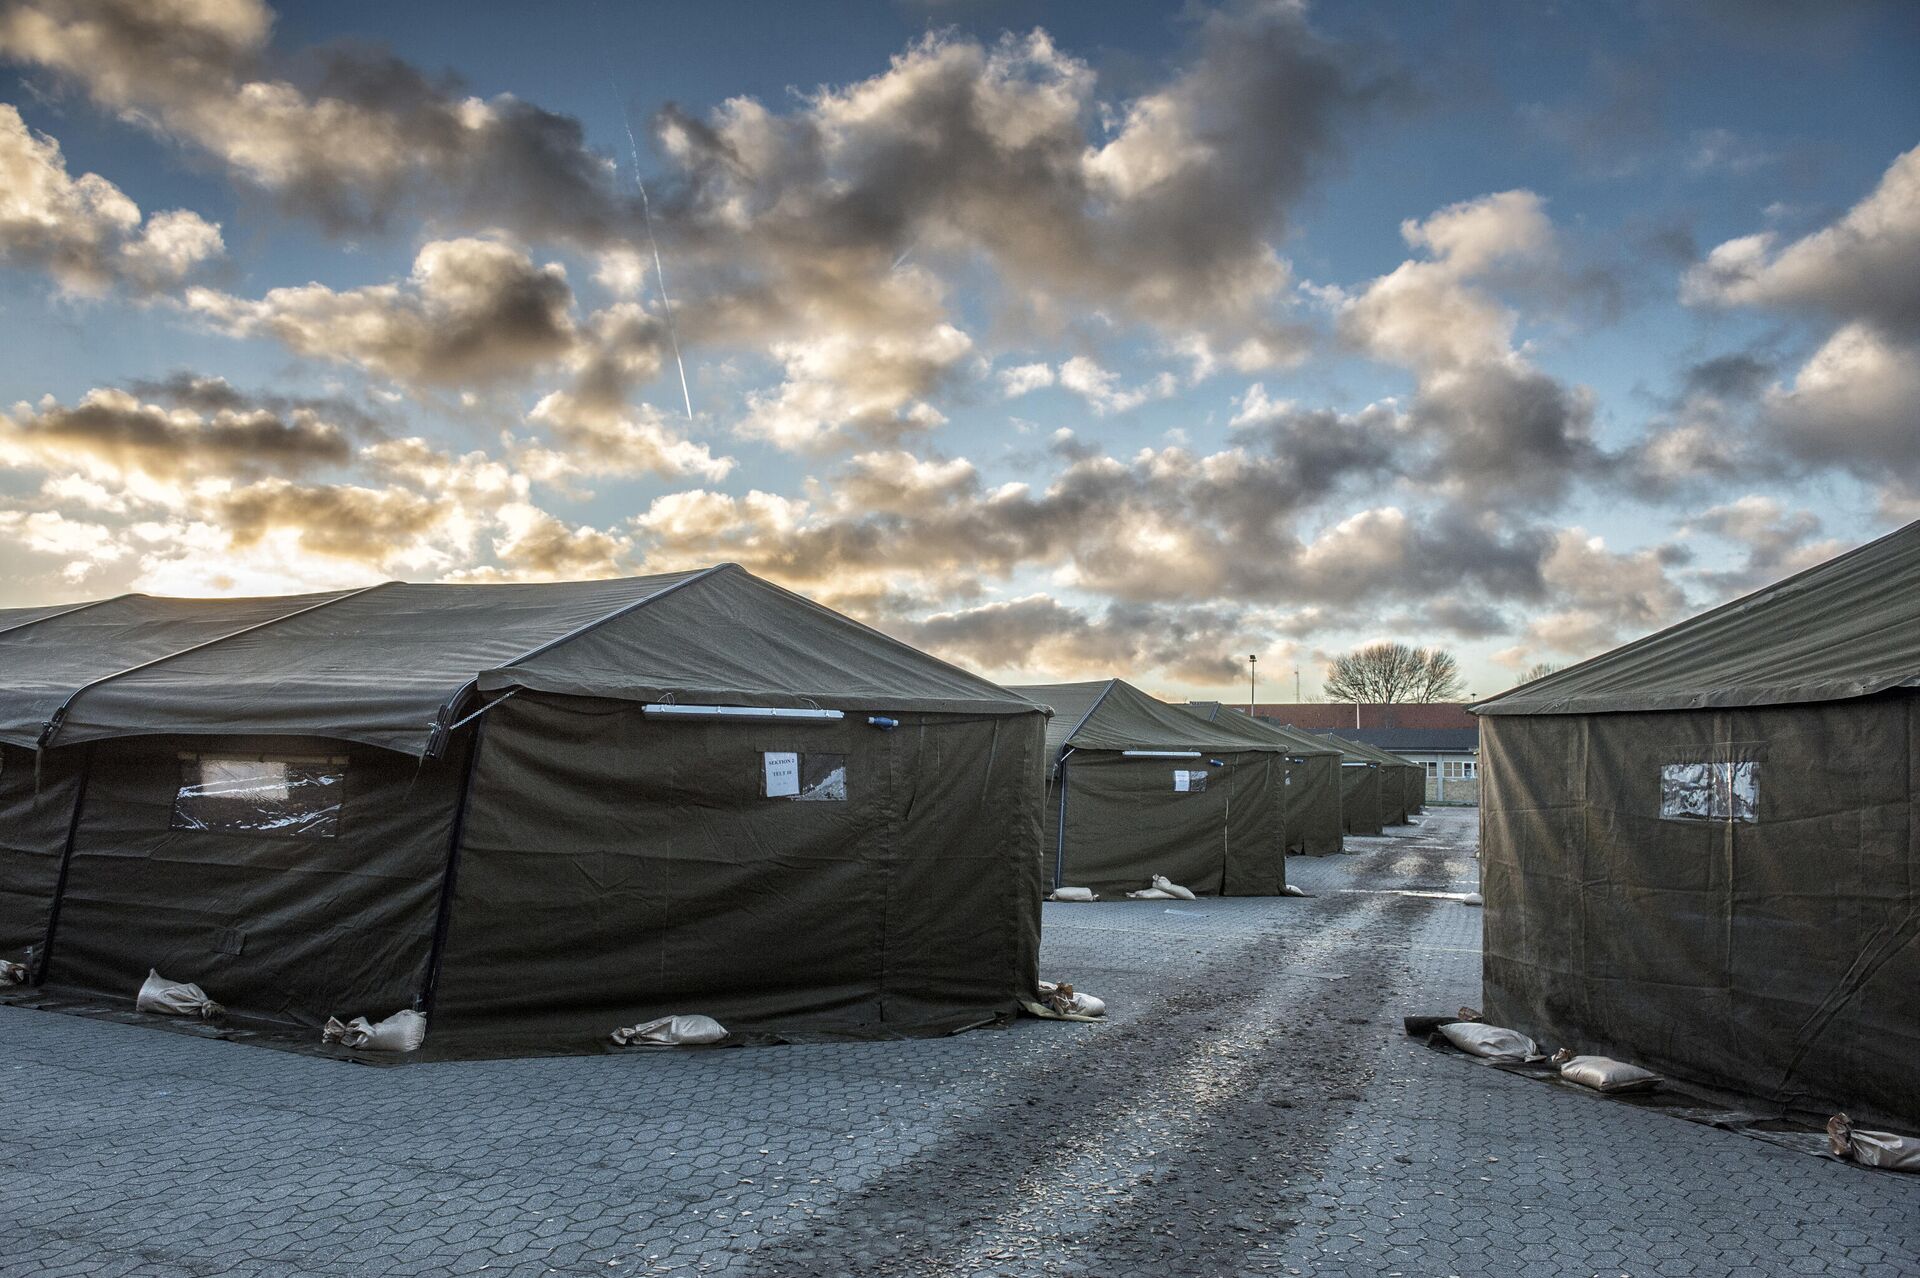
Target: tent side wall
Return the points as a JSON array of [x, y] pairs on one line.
[[36, 811], [1313, 825], [1777, 957], [275, 926], [1416, 778], [615, 868], [1360, 799], [1126, 821], [1393, 795]]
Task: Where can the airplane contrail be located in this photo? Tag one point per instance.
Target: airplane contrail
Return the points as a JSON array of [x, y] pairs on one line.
[[659, 271]]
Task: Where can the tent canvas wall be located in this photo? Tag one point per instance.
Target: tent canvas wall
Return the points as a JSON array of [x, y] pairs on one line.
[[1312, 809], [1360, 796], [1702, 851], [469, 798], [1398, 778], [1134, 790]]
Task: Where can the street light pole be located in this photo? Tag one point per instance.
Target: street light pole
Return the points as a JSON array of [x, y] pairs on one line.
[[1252, 661]]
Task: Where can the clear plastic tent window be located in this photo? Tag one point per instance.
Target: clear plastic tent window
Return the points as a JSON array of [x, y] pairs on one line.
[[1187, 781], [289, 797], [1710, 792]]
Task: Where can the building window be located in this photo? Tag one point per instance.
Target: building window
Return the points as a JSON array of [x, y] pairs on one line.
[[276, 795], [1433, 769], [1458, 769]]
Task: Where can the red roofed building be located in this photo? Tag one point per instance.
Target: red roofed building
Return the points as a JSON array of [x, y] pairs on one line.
[[1442, 737], [1338, 715]]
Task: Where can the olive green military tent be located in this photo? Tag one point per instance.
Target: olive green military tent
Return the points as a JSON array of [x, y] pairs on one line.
[[1398, 778], [1312, 810], [1362, 789], [536, 812], [1702, 851], [1136, 787]]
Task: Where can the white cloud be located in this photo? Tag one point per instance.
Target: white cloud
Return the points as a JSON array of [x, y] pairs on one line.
[[85, 231]]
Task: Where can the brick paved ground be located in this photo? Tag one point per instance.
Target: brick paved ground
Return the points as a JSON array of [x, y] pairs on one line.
[[1249, 1108]]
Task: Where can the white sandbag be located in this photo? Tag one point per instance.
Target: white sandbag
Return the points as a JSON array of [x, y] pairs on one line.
[[176, 998], [401, 1032], [1161, 882], [1473, 898], [671, 1031], [12, 973], [1872, 1149], [1291, 890], [1604, 1074], [1073, 894], [1152, 894], [1061, 1002], [1491, 1042]]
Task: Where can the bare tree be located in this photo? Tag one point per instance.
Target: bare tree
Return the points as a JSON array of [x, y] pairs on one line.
[[1539, 670], [1390, 673]]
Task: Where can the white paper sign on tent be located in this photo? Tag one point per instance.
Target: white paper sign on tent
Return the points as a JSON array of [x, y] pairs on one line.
[[783, 773], [1180, 780]]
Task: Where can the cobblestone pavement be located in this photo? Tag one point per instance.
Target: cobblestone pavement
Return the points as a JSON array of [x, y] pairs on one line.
[[1249, 1107]]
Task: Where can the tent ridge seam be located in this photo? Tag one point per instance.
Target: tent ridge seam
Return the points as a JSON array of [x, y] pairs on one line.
[[68, 612], [438, 728], [59, 715]]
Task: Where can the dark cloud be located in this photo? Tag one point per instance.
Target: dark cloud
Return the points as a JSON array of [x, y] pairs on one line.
[[966, 148], [205, 394], [1044, 638], [1738, 375], [1467, 618], [341, 521], [1509, 432], [345, 134], [473, 311], [118, 432]]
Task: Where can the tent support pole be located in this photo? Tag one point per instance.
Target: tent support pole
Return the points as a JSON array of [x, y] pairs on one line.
[[1060, 842], [443, 916], [63, 613], [66, 860]]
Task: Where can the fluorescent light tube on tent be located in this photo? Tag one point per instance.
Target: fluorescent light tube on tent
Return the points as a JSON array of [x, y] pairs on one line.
[[1161, 754], [742, 714]]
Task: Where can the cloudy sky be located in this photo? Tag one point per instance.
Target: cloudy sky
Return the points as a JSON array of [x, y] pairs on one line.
[[1064, 340]]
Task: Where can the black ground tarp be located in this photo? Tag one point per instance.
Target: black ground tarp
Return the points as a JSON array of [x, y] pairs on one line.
[[1212, 820], [268, 814], [1698, 873]]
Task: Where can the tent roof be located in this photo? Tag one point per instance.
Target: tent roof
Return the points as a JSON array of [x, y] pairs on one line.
[[386, 664], [1301, 743], [1362, 750], [1849, 627], [14, 618], [46, 660], [1112, 714], [1349, 750]]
